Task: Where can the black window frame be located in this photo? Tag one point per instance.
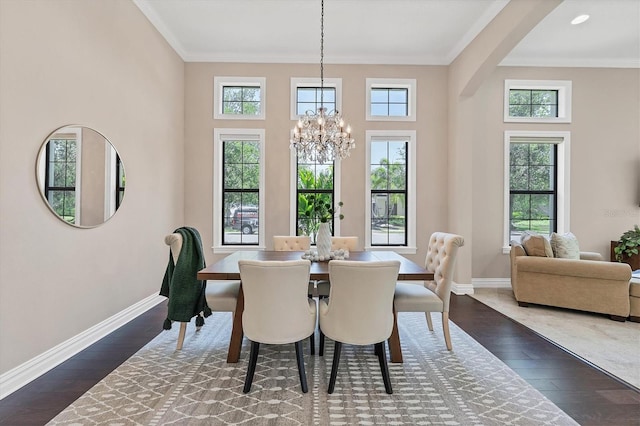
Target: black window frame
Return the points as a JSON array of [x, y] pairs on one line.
[[532, 105], [551, 192], [388, 192], [241, 191]]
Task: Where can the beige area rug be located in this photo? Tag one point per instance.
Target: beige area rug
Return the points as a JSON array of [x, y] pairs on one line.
[[195, 386], [610, 345]]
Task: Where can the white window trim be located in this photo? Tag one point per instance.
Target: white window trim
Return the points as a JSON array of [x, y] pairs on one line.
[[335, 83], [218, 85], [409, 135], [392, 83], [219, 136], [293, 192], [563, 140], [564, 99]]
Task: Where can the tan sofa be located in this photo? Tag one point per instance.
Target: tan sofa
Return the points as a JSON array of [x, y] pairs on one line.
[[588, 284]]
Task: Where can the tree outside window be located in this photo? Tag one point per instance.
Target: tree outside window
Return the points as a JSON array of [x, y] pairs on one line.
[[315, 186], [388, 174], [533, 188], [241, 192], [241, 100]]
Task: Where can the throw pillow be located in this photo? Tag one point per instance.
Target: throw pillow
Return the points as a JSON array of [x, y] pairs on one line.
[[565, 246], [536, 244]]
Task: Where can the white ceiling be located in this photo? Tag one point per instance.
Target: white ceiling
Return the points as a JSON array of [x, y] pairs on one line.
[[429, 32]]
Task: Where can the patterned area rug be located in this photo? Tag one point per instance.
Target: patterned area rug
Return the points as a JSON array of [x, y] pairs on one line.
[[196, 386]]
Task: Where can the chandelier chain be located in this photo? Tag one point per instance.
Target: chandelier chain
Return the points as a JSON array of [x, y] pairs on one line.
[[322, 54], [321, 136]]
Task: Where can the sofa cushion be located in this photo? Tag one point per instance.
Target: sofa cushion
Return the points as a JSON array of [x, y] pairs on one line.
[[536, 244], [565, 246]]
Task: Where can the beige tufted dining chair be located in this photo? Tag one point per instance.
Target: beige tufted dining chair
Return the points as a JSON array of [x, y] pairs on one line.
[[221, 296], [432, 296], [276, 308], [337, 243], [297, 243], [291, 242], [367, 322]]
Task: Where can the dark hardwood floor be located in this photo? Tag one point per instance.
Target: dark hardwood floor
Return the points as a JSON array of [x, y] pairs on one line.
[[587, 394]]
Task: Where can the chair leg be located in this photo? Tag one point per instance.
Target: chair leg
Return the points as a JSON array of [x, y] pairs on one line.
[[334, 366], [384, 369], [183, 330], [445, 328], [321, 348], [253, 359], [429, 322], [300, 359], [312, 343]]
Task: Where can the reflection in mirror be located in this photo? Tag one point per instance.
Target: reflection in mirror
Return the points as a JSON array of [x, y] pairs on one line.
[[80, 176]]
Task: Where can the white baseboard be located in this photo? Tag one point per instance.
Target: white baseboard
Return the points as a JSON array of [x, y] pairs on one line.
[[491, 282], [17, 377], [460, 288]]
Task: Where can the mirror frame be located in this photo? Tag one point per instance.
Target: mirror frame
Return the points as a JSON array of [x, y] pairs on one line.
[[41, 170]]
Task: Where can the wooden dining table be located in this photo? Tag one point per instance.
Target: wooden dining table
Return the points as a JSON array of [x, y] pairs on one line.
[[227, 269]]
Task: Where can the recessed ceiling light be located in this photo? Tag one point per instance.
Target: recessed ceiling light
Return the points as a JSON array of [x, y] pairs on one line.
[[579, 19]]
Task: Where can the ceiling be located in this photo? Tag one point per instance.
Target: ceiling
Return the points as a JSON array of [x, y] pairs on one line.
[[426, 32]]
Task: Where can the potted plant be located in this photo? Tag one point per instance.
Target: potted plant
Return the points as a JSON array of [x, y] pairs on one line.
[[627, 248], [319, 212]]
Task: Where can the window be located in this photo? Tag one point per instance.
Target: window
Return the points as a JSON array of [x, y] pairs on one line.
[[315, 184], [537, 101], [533, 188], [238, 187], [61, 174], [390, 214], [120, 182], [536, 188], [306, 95], [533, 103], [239, 98], [391, 99]]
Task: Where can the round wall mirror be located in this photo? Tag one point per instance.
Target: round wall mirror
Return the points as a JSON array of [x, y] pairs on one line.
[[80, 176]]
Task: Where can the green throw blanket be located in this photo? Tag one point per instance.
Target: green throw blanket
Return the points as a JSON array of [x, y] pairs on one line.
[[185, 292]]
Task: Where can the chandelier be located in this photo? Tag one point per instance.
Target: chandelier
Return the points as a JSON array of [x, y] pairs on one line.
[[321, 136]]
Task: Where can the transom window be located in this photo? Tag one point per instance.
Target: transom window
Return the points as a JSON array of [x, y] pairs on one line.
[[306, 95], [389, 102], [533, 103], [309, 98], [391, 99], [239, 98], [238, 188], [537, 101]]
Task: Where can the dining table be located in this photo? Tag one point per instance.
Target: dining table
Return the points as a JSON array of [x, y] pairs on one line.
[[227, 269]]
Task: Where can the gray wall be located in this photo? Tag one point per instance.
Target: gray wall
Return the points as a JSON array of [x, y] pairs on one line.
[[100, 64]]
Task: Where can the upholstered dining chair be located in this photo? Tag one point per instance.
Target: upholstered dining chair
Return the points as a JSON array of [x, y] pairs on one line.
[[291, 242], [276, 308], [337, 243], [432, 296], [367, 322], [221, 296], [297, 243]]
